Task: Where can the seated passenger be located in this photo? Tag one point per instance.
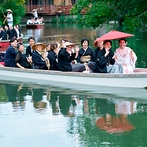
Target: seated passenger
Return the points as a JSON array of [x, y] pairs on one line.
[[52, 56], [99, 46], [14, 33], [85, 54], [8, 32], [36, 21], [18, 31], [38, 59], [3, 35], [65, 58], [105, 60], [125, 56], [41, 20], [11, 53], [21, 60], [63, 43], [29, 50], [29, 21]]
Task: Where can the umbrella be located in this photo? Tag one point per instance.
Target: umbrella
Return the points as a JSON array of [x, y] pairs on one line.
[[113, 34], [114, 124]]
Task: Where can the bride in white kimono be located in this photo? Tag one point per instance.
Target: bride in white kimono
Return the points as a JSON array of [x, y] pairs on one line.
[[125, 56]]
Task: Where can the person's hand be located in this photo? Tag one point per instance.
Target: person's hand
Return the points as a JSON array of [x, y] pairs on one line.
[[22, 67], [114, 57], [77, 49], [107, 52], [29, 59], [44, 55], [131, 54], [124, 64]]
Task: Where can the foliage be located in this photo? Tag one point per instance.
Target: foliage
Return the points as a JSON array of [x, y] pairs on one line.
[[62, 19], [17, 6], [69, 20], [129, 13], [54, 20]]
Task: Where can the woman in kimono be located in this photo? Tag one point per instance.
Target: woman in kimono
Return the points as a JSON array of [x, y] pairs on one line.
[[125, 56], [85, 54]]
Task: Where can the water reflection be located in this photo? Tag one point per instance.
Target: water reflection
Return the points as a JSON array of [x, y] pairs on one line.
[[81, 118], [16, 95], [115, 119]]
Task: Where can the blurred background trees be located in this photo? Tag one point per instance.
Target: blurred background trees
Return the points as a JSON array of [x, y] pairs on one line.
[[128, 13]]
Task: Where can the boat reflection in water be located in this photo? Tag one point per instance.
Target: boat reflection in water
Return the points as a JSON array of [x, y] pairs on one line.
[[78, 118]]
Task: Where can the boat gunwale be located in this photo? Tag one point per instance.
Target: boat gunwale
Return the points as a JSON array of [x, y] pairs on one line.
[[80, 74], [35, 24], [5, 41]]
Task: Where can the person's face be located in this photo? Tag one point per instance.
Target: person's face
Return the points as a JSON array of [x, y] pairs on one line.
[[6, 27], [100, 44], [69, 48], [122, 44], [48, 47], [85, 44], [14, 44], [21, 48], [63, 43], [31, 42], [107, 45], [39, 47]]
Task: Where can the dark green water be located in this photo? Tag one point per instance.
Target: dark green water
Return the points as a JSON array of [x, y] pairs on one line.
[[74, 33], [35, 115]]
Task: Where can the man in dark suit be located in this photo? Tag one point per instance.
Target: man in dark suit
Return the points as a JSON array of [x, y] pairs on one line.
[[14, 33], [11, 52], [8, 31], [38, 60], [29, 50], [3, 35]]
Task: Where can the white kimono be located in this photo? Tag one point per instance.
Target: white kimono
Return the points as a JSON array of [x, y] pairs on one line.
[[123, 57]]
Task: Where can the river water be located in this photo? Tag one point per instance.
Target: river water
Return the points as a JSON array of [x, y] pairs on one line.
[[37, 115]]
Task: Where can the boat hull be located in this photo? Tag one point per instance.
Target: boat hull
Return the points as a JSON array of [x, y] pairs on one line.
[[136, 80], [34, 26], [5, 43]]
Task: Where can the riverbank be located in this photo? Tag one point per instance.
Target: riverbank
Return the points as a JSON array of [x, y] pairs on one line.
[[54, 18]]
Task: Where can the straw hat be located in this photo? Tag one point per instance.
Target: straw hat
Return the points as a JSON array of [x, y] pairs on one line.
[[43, 46], [9, 10], [34, 10], [69, 44]]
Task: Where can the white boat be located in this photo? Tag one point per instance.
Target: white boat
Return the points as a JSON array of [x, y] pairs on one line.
[[136, 80], [120, 85]]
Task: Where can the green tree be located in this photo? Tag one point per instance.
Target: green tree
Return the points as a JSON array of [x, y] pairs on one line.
[[17, 6], [129, 13]]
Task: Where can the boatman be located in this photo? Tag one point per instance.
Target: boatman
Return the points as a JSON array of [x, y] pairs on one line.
[[34, 12], [9, 17]]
